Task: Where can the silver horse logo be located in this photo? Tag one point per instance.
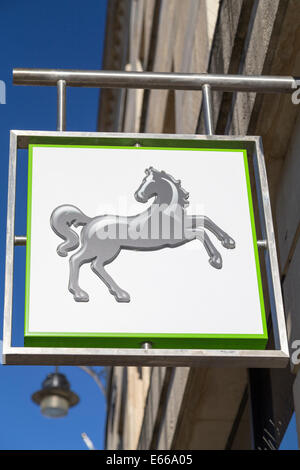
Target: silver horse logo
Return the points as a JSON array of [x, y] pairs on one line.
[[164, 224]]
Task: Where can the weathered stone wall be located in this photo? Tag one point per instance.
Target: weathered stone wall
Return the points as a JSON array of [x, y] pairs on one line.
[[197, 408], [266, 41]]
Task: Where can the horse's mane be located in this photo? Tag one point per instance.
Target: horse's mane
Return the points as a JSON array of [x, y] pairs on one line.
[[183, 195]]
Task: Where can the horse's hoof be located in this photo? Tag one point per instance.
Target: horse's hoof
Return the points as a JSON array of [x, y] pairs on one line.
[[228, 243], [122, 296], [81, 297], [216, 262], [61, 252]]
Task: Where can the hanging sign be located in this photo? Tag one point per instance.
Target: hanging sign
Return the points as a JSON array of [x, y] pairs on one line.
[[127, 245]]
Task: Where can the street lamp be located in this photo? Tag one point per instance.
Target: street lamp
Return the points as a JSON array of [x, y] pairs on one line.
[[55, 398]]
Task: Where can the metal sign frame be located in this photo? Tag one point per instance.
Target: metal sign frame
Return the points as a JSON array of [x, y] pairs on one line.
[[146, 356]]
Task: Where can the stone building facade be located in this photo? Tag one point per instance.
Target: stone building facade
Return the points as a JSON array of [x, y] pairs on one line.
[[212, 408]]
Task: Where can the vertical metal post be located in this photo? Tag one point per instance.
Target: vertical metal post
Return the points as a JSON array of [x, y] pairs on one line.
[[273, 275], [10, 230], [207, 108], [61, 105]]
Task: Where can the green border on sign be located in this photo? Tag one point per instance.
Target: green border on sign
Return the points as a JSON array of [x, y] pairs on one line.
[[134, 340]]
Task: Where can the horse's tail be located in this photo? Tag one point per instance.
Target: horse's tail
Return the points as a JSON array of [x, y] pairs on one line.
[[61, 220]]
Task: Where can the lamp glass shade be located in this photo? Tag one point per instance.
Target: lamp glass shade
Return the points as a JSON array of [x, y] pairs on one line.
[[54, 406]]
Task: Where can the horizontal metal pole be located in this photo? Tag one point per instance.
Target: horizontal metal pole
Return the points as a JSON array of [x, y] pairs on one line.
[[145, 357], [20, 241], [153, 80], [262, 243], [25, 137]]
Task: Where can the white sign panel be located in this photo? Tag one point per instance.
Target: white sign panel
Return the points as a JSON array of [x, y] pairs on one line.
[[127, 245]]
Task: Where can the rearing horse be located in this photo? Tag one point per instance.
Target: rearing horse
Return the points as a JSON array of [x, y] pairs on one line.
[[164, 224]]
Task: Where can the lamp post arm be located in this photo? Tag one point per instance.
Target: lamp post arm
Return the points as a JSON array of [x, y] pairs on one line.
[[88, 442], [95, 376]]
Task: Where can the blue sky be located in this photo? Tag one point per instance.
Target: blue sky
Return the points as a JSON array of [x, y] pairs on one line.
[[59, 34]]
